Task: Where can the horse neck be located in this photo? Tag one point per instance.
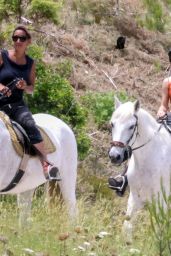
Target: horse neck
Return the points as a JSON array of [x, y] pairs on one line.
[[147, 126]]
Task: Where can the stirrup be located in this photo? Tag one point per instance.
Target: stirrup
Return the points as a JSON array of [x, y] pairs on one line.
[[122, 184], [53, 173]]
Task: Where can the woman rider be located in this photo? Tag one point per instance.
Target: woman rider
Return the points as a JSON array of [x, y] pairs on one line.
[[15, 63]]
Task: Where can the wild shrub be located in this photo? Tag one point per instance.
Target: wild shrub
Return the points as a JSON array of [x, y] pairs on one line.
[[98, 9], [101, 105], [154, 18], [2, 10], [10, 8], [54, 95], [64, 68], [45, 9], [160, 215], [5, 35], [36, 51]]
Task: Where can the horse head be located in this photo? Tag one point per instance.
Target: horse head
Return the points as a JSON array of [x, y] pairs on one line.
[[124, 127]]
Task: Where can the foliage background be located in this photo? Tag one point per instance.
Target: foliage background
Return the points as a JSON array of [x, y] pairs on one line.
[[79, 70]]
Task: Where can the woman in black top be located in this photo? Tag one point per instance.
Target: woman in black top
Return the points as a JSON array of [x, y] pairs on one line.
[[16, 64]]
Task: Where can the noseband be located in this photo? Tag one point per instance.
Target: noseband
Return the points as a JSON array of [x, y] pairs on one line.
[[128, 149], [117, 144]]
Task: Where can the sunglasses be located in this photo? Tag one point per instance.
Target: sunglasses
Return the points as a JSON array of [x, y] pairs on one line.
[[21, 38]]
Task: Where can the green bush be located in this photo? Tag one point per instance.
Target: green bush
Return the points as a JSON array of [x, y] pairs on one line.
[[36, 52], [83, 143], [64, 68], [49, 9], [101, 105], [2, 10], [154, 19], [98, 9], [160, 215], [9, 8], [54, 95]]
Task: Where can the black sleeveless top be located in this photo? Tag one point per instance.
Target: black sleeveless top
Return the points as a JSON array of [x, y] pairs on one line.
[[9, 71]]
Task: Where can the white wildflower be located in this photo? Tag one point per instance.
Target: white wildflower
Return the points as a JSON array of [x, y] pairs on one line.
[[91, 254], [102, 234], [133, 251], [81, 248], [86, 244], [28, 251]]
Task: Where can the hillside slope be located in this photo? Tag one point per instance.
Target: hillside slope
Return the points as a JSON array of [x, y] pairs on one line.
[[98, 66]]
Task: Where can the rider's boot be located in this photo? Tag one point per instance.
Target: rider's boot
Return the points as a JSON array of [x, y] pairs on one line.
[[51, 172]]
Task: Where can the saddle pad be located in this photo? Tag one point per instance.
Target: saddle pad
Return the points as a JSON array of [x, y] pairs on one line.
[[49, 146]]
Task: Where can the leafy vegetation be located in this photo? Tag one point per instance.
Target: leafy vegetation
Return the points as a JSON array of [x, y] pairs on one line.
[[54, 95], [160, 215], [37, 9], [97, 230], [101, 105], [45, 9], [154, 19]]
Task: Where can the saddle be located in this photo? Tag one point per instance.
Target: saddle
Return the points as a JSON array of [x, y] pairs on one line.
[[20, 140], [166, 121], [23, 148]]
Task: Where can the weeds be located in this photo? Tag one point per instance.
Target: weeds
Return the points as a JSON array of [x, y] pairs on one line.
[[160, 216]]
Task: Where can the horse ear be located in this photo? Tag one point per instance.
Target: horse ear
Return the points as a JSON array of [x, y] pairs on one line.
[[117, 102], [136, 105]]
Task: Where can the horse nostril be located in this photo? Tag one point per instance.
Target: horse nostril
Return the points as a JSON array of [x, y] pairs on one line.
[[115, 158], [118, 157]]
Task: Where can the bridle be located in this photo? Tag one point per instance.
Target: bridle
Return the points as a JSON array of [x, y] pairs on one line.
[[128, 148]]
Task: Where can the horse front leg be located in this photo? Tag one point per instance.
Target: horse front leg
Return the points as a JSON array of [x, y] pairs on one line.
[[24, 201], [134, 204]]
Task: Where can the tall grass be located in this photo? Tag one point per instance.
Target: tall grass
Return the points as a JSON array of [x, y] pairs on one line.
[[96, 231], [160, 216]]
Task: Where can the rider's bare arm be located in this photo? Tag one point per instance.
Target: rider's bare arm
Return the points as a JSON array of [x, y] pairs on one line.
[[28, 88], [165, 98]]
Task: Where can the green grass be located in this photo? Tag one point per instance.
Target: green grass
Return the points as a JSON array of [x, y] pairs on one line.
[[95, 216]]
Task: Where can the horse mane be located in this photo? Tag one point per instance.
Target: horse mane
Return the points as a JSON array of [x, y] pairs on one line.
[[147, 120]]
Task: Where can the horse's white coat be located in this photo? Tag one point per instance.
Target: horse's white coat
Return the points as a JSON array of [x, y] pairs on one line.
[[65, 158], [148, 164]]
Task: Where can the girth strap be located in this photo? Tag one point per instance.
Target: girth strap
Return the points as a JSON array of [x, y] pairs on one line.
[[18, 175]]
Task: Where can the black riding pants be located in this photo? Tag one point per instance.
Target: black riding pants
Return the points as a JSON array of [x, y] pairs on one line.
[[20, 113]]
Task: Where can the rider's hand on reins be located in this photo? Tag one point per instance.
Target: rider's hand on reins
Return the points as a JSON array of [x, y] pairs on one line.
[[161, 118], [4, 90], [21, 84]]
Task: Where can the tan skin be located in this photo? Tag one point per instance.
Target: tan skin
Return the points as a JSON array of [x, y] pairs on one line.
[[17, 54], [164, 107]]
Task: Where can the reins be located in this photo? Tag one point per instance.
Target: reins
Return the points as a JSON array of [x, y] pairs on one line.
[[122, 145], [11, 86], [148, 139]]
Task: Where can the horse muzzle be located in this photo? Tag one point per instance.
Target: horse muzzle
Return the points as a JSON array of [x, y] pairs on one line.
[[119, 153]]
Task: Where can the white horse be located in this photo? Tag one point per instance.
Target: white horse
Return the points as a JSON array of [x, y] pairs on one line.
[[65, 158], [135, 131]]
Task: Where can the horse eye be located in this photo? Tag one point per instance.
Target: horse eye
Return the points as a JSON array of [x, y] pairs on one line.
[[131, 127]]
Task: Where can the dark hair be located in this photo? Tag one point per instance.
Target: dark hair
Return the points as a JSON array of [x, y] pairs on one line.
[[23, 29]]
